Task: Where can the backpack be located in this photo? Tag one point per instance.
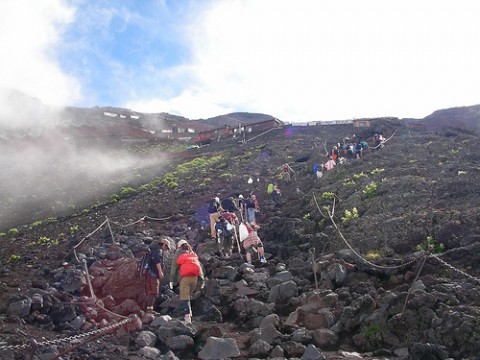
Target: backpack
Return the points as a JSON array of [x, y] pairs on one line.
[[269, 188], [147, 263], [189, 264], [228, 205], [144, 265], [243, 231]]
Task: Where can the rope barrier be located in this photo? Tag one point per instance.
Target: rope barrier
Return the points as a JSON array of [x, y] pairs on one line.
[[330, 214], [444, 263], [34, 344], [312, 252], [383, 142]]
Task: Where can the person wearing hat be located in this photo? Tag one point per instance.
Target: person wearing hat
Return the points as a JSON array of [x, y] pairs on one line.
[[154, 275], [187, 272]]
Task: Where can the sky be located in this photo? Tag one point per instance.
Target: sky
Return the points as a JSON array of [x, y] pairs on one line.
[[297, 60]]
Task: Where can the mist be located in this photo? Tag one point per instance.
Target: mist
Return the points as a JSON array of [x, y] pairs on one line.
[[47, 174]]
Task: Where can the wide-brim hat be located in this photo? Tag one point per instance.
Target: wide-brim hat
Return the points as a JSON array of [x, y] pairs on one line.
[[166, 242], [181, 242]]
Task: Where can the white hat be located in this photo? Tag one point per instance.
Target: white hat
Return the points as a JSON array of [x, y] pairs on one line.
[[240, 196], [181, 242]]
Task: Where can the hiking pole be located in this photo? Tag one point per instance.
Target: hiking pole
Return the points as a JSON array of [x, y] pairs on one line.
[[236, 238]]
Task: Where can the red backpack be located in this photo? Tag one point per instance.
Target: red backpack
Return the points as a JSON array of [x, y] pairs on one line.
[[189, 264]]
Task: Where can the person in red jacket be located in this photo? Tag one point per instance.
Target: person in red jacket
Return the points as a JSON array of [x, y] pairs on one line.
[[186, 271]]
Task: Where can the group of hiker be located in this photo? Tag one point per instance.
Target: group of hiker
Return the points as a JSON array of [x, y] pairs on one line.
[[346, 150], [186, 271], [233, 220]]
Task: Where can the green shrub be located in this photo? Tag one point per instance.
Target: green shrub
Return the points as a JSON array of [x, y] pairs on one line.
[[373, 255], [360, 175], [74, 229], [146, 187], [349, 215], [126, 191], [350, 183], [43, 240], [2, 234], [327, 196], [377, 171], [172, 185], [371, 330], [206, 182], [114, 198], [430, 245], [13, 258], [225, 176], [370, 190], [12, 232]]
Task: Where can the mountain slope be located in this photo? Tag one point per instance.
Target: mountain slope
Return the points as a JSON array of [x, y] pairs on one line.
[[419, 192]]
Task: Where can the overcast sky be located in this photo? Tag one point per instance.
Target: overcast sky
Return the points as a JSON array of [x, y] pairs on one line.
[[298, 60]]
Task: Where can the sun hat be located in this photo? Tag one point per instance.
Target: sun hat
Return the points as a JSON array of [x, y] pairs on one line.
[[166, 242], [181, 242]]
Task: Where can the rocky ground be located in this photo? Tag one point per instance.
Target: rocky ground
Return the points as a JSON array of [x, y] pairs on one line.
[[398, 278]]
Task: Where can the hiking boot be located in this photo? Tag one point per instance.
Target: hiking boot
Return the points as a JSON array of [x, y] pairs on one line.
[[262, 259], [150, 311]]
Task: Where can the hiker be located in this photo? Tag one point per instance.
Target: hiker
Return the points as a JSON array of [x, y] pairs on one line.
[[152, 264], [319, 172], [241, 204], [252, 243], [251, 205], [229, 205], [379, 141], [330, 164], [226, 233], [214, 210], [276, 193], [334, 152], [187, 272], [286, 172], [358, 150]]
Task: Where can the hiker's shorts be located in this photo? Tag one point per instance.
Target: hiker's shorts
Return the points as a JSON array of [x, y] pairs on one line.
[[188, 285], [253, 248]]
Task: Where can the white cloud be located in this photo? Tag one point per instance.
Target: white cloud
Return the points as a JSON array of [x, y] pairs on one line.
[[297, 60], [29, 33], [314, 60]]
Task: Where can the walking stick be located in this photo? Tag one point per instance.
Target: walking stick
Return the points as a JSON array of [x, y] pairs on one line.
[[238, 242]]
